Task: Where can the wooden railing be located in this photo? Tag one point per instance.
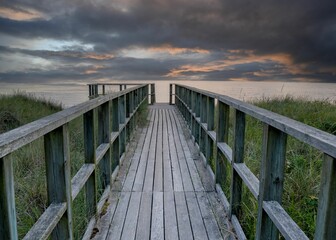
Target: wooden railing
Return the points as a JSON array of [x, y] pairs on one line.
[[117, 115], [198, 108], [96, 89]]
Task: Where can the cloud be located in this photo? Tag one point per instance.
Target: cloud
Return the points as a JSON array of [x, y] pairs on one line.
[[161, 39]]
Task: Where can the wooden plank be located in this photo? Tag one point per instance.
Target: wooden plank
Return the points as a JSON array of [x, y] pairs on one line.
[[144, 220], [157, 226], [167, 176], [196, 181], [250, 180], [130, 225], [225, 150], [117, 223], [129, 181], [271, 178], [196, 219], [326, 213], [208, 216], [57, 157], [79, 180], [8, 226], [186, 179], [237, 227], [149, 176], [158, 178], [288, 228], [101, 151], [183, 220], [47, 222], [177, 178], [140, 175], [170, 221]]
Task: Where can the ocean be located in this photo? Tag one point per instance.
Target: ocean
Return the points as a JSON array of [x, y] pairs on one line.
[[70, 94]]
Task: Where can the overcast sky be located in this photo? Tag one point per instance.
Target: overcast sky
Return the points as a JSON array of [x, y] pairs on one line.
[[78, 40]]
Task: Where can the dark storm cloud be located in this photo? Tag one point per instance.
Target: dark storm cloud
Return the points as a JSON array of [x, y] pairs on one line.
[[305, 31]]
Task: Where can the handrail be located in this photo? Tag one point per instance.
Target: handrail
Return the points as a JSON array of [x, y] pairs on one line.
[[117, 115], [198, 108], [94, 89]]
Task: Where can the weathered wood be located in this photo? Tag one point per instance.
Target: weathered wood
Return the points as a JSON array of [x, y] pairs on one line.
[[208, 216], [186, 179], [238, 157], [117, 223], [101, 151], [271, 179], [326, 214], [104, 137], [152, 93], [130, 224], [317, 138], [170, 221], [288, 228], [250, 180], [167, 169], [90, 155], [8, 226], [183, 220], [158, 175], [57, 157], [157, 226], [222, 136], [140, 175], [225, 150], [170, 94], [47, 222], [16, 138], [144, 220], [196, 220], [81, 177]]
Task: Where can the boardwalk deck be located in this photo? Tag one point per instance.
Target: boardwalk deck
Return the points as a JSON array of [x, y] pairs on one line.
[[162, 190]]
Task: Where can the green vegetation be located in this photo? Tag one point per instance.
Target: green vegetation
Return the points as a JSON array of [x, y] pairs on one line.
[[303, 163]]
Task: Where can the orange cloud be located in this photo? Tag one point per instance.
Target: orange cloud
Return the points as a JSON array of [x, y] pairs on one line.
[[20, 15], [176, 50], [242, 57], [94, 69]]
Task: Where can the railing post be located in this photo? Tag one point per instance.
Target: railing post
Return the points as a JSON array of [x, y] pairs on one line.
[[104, 137], [210, 127], [152, 93], [122, 118], [115, 129], [222, 136], [120, 87], [326, 213], [90, 158], [8, 226], [271, 179], [103, 89], [57, 157], [170, 94], [238, 157]]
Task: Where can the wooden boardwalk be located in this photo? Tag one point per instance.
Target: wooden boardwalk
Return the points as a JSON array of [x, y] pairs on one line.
[[163, 190]]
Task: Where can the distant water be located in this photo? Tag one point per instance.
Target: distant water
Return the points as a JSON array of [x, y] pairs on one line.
[[72, 94]]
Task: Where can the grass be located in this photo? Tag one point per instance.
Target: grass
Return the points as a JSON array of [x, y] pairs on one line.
[[303, 163], [29, 162]]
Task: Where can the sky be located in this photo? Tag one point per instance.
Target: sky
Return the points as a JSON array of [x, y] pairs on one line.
[[95, 41]]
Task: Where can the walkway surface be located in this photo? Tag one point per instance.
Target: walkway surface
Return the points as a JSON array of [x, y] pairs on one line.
[[163, 190]]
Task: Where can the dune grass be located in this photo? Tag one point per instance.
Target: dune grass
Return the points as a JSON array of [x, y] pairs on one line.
[[303, 163]]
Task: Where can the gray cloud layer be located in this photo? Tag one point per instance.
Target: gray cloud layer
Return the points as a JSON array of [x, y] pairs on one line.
[[304, 31]]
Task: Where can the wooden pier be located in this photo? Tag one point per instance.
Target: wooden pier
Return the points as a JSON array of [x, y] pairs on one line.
[[164, 180]]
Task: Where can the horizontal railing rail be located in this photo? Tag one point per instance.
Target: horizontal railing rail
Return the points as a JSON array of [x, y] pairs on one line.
[[202, 109], [96, 89], [117, 115]]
